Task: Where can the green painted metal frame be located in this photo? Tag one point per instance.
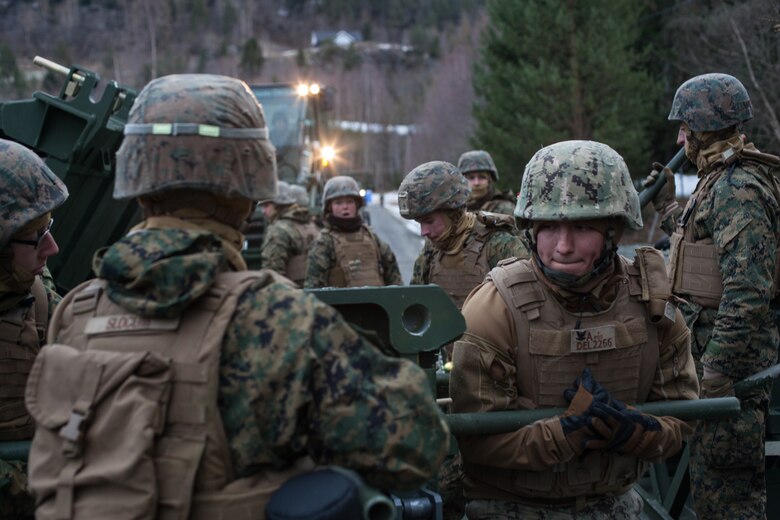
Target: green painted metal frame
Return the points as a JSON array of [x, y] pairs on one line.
[[77, 133], [510, 420], [412, 319]]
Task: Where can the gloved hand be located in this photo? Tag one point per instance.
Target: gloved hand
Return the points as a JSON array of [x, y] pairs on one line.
[[583, 431], [592, 389], [664, 201], [633, 433], [716, 384]]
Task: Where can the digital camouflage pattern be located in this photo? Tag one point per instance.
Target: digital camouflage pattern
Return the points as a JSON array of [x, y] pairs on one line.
[[51, 290], [300, 195], [283, 238], [477, 161], [284, 194], [741, 215], [577, 180], [15, 503], [728, 477], [295, 380], [322, 258], [432, 186], [500, 244], [711, 102], [30, 188], [341, 186], [154, 162], [627, 506]]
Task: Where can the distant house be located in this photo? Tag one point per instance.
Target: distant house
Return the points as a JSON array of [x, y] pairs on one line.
[[340, 38]]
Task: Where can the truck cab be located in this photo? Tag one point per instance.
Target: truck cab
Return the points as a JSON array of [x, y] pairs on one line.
[[295, 115]]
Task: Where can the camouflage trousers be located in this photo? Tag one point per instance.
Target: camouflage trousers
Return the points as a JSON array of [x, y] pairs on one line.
[[627, 506], [728, 477], [451, 487], [15, 503]]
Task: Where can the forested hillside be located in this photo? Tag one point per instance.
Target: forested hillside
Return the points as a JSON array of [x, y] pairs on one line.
[[546, 69]]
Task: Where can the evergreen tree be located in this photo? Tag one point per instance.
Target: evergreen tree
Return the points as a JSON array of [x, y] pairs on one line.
[[300, 58], [252, 57], [198, 14], [229, 18], [552, 71], [12, 83]]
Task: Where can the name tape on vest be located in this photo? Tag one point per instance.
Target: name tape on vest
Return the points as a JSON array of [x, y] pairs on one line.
[[128, 322], [593, 340]]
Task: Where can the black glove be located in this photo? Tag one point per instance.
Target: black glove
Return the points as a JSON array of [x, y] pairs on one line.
[[633, 433], [591, 386], [583, 431]]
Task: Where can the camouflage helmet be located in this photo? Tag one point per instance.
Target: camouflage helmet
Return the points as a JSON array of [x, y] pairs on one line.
[[299, 194], [577, 180], [284, 194], [432, 186], [30, 189], [711, 102], [477, 161], [341, 186], [198, 131]]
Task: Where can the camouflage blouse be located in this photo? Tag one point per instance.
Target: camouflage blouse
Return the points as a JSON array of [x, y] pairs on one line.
[[295, 379]]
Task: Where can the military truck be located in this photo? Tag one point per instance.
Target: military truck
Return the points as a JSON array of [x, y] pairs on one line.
[[296, 118]]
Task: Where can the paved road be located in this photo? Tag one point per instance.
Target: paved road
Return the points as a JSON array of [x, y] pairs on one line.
[[405, 244]]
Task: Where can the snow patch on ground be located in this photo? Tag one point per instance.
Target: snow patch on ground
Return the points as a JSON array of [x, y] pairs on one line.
[[391, 204]]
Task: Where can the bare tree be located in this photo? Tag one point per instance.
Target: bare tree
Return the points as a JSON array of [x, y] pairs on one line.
[[446, 121], [151, 23], [771, 114], [739, 39]]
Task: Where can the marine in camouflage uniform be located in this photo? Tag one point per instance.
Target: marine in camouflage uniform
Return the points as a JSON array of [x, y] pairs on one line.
[[723, 264], [347, 253], [294, 380], [27, 297], [480, 170], [458, 257], [287, 239], [460, 248], [300, 197], [575, 312]]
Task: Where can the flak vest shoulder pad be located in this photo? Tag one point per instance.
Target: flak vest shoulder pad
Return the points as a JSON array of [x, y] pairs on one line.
[[647, 282], [764, 158], [650, 268], [496, 221]]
